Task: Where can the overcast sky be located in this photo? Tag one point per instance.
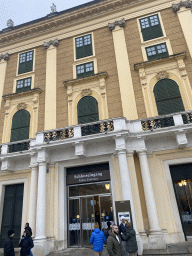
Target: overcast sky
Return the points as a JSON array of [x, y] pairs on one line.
[[21, 11]]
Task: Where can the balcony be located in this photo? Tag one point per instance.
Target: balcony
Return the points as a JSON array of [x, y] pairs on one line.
[[176, 125]]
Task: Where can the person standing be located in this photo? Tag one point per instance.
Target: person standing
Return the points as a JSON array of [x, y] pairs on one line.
[[26, 244], [8, 246], [114, 244], [97, 239], [130, 238], [122, 229], [28, 228]]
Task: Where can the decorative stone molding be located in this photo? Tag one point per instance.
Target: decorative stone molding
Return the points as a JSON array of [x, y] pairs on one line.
[[120, 23], [21, 106], [143, 77], [4, 56], [86, 92], [51, 42], [186, 4], [162, 75]]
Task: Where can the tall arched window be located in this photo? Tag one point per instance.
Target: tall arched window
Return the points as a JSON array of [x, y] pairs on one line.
[[168, 97], [20, 126], [87, 110]]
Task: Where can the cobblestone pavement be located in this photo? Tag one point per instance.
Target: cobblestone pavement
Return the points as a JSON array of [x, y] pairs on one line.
[[77, 252]]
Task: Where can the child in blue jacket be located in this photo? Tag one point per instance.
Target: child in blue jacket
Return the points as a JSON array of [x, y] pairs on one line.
[[97, 239]]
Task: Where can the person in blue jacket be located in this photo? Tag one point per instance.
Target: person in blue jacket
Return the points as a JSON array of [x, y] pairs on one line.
[[97, 239]]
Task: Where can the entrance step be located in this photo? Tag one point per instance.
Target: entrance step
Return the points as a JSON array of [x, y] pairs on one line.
[[76, 252], [172, 249]]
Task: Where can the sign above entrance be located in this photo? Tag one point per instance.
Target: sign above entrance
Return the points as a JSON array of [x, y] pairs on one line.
[[93, 173]]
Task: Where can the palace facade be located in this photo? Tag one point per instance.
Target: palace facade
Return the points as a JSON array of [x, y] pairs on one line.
[[96, 123]]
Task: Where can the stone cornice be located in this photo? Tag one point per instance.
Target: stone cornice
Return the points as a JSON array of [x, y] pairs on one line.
[[145, 64], [85, 79], [186, 4], [21, 94], [62, 20]]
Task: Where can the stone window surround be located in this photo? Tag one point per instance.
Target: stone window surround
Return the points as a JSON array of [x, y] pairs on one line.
[[17, 70], [151, 72], [84, 61], [23, 76], [28, 100], [94, 86]]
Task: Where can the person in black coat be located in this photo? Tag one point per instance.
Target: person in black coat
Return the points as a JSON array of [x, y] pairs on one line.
[[8, 246], [28, 228], [130, 238], [26, 244]]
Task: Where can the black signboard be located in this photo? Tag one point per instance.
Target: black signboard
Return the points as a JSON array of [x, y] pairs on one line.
[[123, 209], [88, 173]]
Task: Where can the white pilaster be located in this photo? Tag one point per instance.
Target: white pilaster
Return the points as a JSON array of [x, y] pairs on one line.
[[124, 71], [126, 183], [33, 199], [156, 239], [3, 68], [185, 18], [50, 92]]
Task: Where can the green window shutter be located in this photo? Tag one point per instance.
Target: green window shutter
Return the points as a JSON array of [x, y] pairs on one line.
[[84, 70], [20, 126], [87, 110], [168, 97], [23, 85], [157, 51], [25, 62], [83, 46], [151, 27]]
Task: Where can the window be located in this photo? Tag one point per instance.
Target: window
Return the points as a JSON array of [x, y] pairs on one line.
[[83, 46], [168, 97], [87, 110], [20, 126], [23, 85], [157, 51], [151, 27], [85, 70], [25, 62]]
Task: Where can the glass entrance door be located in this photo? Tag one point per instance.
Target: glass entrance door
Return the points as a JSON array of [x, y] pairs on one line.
[[183, 189], [87, 212]]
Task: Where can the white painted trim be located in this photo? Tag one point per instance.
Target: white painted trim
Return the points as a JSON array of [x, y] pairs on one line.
[[61, 202], [24, 210], [170, 187], [113, 190]]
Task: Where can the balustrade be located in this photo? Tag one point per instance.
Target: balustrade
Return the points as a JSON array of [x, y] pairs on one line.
[[58, 135], [101, 127]]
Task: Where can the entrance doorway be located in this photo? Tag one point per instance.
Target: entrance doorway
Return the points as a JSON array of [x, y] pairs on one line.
[[182, 181], [86, 211], [12, 213]]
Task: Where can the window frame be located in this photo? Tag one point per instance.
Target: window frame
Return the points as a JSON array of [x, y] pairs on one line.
[[93, 47], [18, 62], [84, 64], [150, 27], [18, 90], [157, 54]]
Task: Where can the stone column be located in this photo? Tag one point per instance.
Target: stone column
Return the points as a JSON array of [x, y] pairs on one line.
[[183, 10], [123, 70], [126, 183], [156, 238], [41, 202], [51, 82], [3, 67], [33, 199]]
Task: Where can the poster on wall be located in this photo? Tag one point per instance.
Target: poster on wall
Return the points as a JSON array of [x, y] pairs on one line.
[[125, 215]]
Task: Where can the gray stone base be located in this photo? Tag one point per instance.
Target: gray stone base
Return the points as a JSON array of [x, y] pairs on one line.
[[41, 247]]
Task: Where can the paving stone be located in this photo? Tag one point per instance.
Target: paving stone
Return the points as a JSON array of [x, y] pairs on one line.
[[189, 247]]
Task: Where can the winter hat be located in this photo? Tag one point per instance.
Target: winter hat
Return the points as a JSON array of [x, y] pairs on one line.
[[10, 232]]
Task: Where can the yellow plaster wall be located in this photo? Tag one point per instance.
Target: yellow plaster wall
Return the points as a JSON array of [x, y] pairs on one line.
[[175, 34], [105, 54], [64, 73]]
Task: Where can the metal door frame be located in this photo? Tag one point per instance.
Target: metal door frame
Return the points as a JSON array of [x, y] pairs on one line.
[[80, 243]]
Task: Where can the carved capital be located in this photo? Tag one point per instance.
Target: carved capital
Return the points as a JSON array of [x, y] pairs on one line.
[[51, 42], [86, 92], [162, 75], [186, 4], [21, 106], [120, 23], [4, 56]]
